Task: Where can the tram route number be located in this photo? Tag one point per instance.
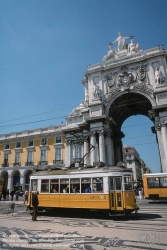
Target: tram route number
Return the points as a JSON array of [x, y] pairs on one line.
[[97, 197]]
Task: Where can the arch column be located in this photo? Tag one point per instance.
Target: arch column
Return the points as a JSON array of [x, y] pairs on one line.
[[22, 181], [93, 151], [102, 147], [110, 150], [68, 153], [10, 183], [164, 140], [86, 147]]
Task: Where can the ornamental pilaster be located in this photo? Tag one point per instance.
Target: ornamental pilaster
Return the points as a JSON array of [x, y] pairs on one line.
[[93, 151], [102, 147]]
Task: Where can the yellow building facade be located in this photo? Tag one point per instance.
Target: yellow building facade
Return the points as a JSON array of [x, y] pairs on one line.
[[23, 152]]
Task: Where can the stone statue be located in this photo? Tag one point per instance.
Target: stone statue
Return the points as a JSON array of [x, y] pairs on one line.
[[121, 41], [96, 91], [110, 53], [132, 47], [158, 76]]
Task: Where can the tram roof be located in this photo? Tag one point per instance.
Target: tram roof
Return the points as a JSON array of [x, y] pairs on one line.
[[70, 171]]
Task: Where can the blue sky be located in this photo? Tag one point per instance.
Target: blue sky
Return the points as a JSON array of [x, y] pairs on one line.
[[46, 46]]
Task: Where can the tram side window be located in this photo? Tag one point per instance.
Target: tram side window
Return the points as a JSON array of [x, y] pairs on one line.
[[86, 185], [97, 185], [163, 181], [64, 185], [54, 186], [128, 182], [153, 182], [75, 185], [118, 183], [45, 186]]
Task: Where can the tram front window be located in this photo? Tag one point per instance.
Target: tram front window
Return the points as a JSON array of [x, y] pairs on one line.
[[34, 184], [128, 183]]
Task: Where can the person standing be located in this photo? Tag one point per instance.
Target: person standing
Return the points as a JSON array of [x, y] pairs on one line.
[[35, 204], [4, 194], [140, 189]]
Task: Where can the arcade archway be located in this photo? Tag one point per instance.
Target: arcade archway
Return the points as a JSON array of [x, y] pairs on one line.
[[123, 107], [4, 175]]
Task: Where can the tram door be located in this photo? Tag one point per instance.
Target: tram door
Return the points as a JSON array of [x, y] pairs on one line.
[[116, 193]]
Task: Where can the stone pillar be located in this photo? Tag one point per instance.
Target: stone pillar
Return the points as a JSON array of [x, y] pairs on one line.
[[86, 159], [73, 152], [93, 151], [22, 181], [68, 153], [164, 139], [10, 183], [110, 150], [102, 147]]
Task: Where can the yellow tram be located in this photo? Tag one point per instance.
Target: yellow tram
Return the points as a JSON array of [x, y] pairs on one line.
[[109, 189]]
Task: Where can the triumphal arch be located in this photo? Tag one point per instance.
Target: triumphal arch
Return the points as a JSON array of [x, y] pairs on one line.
[[128, 81]]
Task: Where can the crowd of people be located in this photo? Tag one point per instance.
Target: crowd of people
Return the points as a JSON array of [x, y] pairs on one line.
[[139, 191], [14, 194]]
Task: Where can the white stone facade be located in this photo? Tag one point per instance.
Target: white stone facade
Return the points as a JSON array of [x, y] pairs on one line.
[[128, 81]]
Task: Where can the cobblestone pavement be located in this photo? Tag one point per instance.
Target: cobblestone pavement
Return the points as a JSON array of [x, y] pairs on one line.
[[69, 231]]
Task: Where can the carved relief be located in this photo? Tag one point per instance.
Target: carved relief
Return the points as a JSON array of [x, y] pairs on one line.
[[125, 77], [158, 77], [78, 110], [110, 80], [141, 72], [96, 91]]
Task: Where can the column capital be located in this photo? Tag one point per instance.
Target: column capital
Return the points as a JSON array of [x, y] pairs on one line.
[[163, 124], [68, 142]]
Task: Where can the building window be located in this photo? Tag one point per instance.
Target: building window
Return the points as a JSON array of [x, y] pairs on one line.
[[130, 162], [30, 143], [44, 141], [78, 152], [29, 156], [17, 157], [58, 154], [58, 139], [18, 144], [7, 146], [6, 156], [43, 155]]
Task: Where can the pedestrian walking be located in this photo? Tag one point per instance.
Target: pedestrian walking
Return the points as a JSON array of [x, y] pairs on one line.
[[35, 204], [17, 195], [12, 194], [25, 196]]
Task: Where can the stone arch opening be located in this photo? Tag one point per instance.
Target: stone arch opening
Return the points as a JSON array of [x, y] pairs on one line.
[[16, 179], [123, 107], [4, 176], [27, 174]]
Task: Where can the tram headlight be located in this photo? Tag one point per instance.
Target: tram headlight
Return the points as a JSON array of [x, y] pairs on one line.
[[128, 195]]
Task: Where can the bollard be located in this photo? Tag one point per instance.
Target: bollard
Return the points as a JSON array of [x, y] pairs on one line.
[[11, 208]]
